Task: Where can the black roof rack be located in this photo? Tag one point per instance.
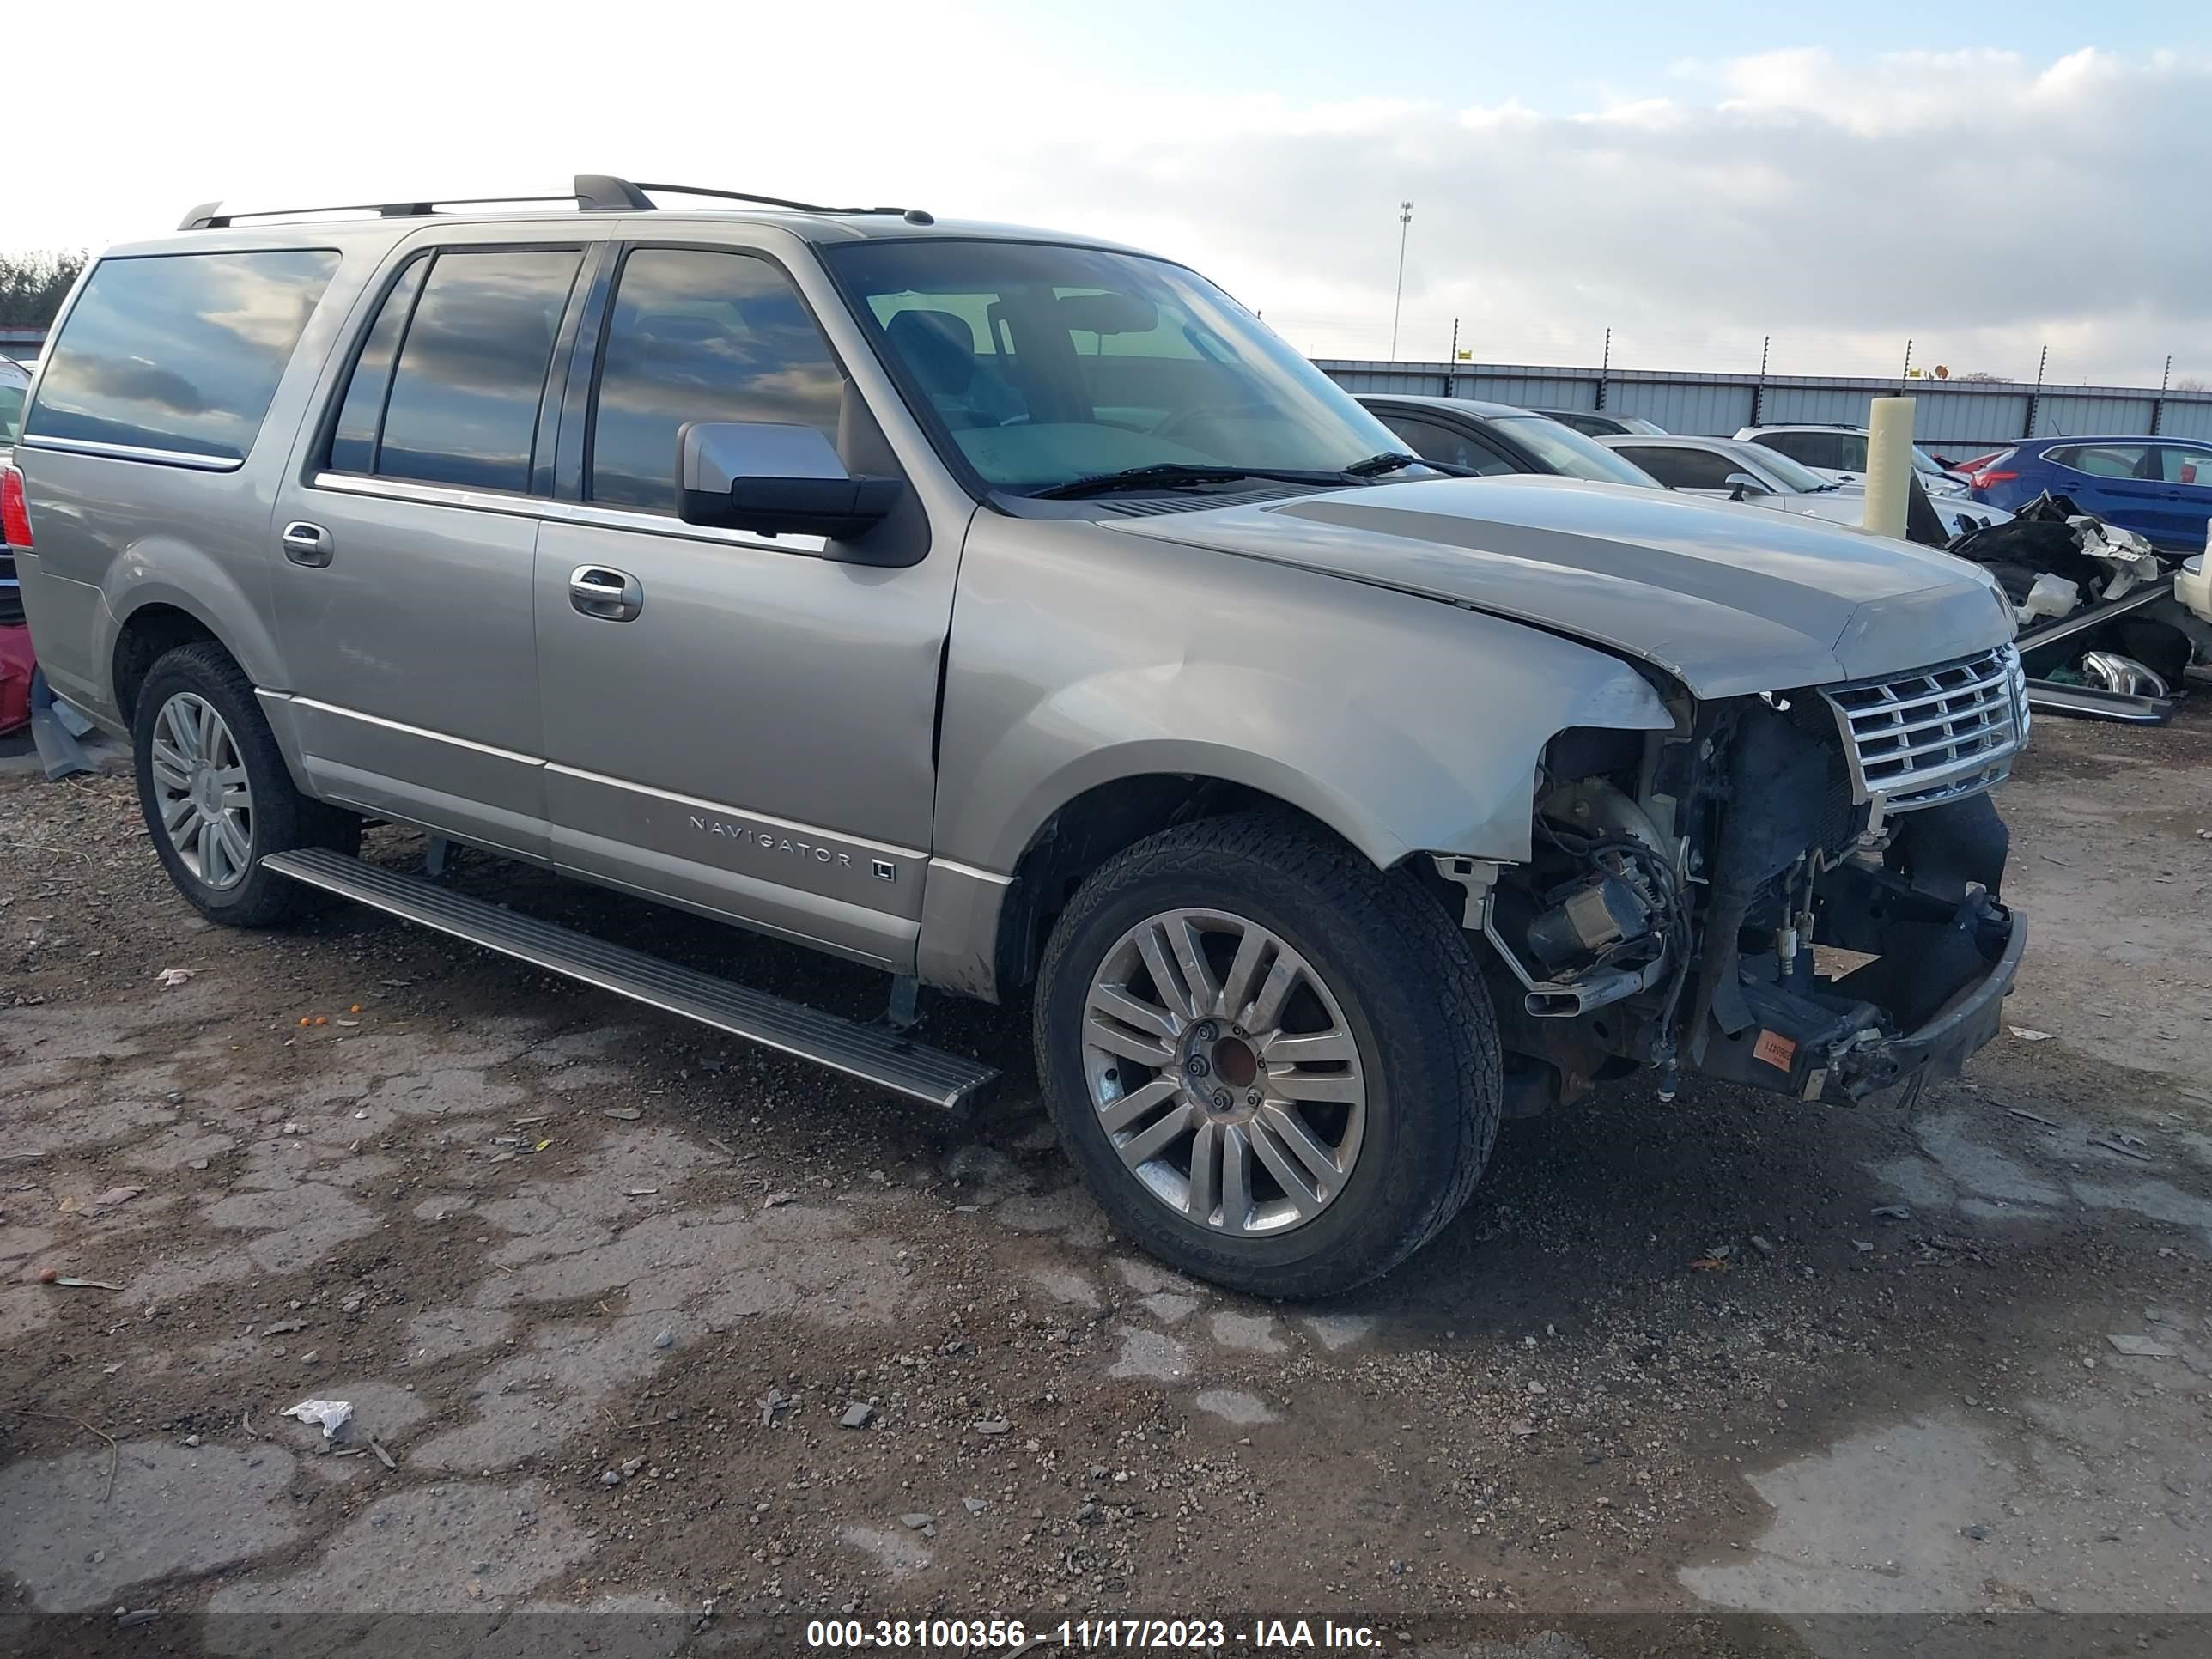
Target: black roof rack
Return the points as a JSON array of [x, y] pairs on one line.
[[915, 213], [594, 192]]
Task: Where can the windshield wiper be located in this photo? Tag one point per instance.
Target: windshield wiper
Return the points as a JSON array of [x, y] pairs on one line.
[[1180, 475], [1390, 460]]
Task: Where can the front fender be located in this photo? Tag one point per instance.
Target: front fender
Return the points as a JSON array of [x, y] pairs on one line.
[[1405, 723]]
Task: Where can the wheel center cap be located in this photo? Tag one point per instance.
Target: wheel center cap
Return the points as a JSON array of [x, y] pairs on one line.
[[1235, 1063], [207, 795]]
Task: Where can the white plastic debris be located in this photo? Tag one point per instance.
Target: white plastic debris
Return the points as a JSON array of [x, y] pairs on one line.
[[2051, 596], [332, 1415], [175, 975], [2029, 1034], [2132, 559]]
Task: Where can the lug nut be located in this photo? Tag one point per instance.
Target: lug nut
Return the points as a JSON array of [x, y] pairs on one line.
[[1252, 1097], [1196, 1065], [1206, 1031], [1222, 1102]]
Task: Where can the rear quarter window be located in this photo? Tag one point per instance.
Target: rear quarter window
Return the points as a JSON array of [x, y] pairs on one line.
[[178, 353]]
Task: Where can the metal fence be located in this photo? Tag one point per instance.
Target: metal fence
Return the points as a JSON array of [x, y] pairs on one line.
[[1956, 413]]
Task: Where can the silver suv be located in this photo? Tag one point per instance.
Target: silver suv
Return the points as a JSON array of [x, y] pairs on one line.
[[1016, 615]]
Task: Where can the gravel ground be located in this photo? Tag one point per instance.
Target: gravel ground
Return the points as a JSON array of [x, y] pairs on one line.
[[605, 1290]]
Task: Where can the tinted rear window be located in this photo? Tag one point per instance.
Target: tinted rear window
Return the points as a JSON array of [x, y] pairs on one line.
[[463, 407], [179, 352]]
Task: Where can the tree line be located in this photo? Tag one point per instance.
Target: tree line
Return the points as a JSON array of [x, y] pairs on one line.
[[34, 285]]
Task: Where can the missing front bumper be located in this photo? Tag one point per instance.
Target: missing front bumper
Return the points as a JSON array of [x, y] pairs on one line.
[[1923, 1009]]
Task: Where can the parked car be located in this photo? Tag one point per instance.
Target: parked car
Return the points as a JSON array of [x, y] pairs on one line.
[[1838, 453], [1602, 423], [1487, 438], [1016, 615], [14, 385], [2160, 487], [1736, 470]]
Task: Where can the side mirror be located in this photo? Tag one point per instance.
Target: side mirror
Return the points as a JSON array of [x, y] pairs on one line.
[[1742, 484], [773, 480]]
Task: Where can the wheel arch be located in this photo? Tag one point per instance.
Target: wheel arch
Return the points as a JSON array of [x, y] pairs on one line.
[[149, 633], [1099, 822]]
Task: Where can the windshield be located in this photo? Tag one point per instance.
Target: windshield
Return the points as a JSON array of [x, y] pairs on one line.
[[1924, 462], [1046, 364], [1568, 452], [1801, 480]]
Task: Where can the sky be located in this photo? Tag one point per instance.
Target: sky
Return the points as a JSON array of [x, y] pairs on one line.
[[1708, 181]]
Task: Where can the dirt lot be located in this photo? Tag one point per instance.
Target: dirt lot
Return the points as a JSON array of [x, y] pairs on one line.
[[1730, 1375]]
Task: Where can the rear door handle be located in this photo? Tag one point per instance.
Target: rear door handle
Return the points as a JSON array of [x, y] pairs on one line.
[[611, 595], [307, 543]]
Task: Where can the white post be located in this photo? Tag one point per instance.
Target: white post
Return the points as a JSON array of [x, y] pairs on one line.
[[1889, 465]]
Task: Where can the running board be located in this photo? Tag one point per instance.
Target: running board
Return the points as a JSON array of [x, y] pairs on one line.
[[869, 1052]]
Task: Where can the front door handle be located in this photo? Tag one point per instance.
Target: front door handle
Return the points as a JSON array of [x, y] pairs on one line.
[[611, 595], [307, 543]]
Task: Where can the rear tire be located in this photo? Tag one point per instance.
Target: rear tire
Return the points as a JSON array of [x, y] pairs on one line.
[[1323, 1145], [216, 794]]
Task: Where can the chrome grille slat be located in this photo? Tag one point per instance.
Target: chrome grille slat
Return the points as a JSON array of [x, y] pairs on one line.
[[1934, 734]]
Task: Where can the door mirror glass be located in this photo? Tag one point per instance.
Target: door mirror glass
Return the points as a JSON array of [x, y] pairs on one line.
[[774, 480], [1741, 484]]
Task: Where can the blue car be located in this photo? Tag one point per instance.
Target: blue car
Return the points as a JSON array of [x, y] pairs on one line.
[[2160, 487]]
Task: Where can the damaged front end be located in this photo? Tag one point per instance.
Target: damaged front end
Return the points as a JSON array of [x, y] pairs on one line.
[[1799, 890]]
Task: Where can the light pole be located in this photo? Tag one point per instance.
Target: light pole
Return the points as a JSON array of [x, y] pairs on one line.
[[1405, 222]]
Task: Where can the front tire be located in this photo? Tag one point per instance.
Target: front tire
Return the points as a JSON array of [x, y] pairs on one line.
[[216, 794], [1274, 1064]]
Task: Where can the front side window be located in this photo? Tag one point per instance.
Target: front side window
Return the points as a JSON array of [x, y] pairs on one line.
[[179, 352], [469, 374], [1432, 442], [1683, 468], [1038, 365], [700, 335]]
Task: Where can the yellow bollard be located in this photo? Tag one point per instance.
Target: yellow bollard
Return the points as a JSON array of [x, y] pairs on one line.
[[1889, 465]]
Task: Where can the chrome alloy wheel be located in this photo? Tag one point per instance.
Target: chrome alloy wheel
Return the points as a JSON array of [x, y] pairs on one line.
[[1224, 1073], [200, 786]]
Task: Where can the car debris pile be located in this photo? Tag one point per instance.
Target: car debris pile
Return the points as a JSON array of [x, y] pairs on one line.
[[2109, 626]]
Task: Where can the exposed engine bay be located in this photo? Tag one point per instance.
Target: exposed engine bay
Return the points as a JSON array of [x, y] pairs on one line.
[[1800, 892]]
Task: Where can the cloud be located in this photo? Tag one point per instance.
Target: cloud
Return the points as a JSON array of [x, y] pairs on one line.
[[1979, 203], [1974, 203]]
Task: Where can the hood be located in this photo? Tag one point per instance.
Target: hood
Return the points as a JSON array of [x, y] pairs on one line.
[[1729, 600]]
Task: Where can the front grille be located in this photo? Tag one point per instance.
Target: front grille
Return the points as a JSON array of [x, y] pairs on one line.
[[1936, 734]]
